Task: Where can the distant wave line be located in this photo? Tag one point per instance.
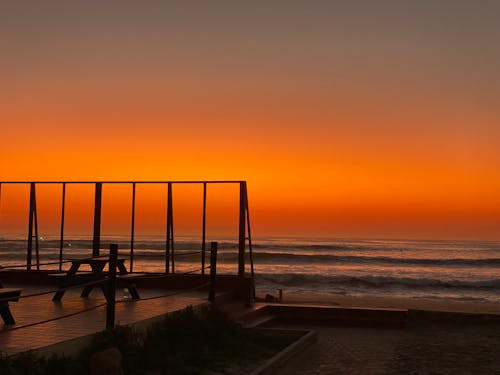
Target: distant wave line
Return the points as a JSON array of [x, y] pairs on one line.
[[291, 279]]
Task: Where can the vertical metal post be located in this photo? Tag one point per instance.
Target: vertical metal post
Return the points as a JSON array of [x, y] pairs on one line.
[[169, 233], [111, 289], [35, 216], [32, 221], [241, 232], [132, 230], [96, 242], [204, 229], [61, 238], [213, 271], [250, 250], [171, 214]]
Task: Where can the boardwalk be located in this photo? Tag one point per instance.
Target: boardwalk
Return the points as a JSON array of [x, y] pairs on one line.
[[36, 309]]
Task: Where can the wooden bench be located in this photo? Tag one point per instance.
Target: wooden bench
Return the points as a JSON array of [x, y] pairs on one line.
[[65, 280], [8, 295], [73, 277]]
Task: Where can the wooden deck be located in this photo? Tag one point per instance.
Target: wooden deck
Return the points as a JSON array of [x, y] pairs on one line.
[[35, 309]]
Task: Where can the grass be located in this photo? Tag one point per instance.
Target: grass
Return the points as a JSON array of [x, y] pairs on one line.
[[191, 341]]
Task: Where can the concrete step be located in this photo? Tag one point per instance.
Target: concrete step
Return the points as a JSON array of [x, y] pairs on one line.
[[334, 315], [259, 321]]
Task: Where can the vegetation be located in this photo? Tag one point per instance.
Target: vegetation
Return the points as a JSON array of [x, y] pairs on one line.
[[191, 341]]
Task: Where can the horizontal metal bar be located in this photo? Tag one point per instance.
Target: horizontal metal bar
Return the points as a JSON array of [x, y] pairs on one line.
[[124, 182]]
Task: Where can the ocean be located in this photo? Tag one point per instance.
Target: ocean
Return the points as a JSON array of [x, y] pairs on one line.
[[441, 270]]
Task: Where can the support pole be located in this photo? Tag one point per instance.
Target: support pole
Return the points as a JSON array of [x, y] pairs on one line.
[[250, 250], [171, 214], [96, 242], [132, 229], [35, 216], [213, 271], [169, 251], [241, 232], [61, 238], [33, 222], [204, 229], [111, 289]]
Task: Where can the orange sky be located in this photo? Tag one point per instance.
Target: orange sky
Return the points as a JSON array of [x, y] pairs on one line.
[[345, 119]]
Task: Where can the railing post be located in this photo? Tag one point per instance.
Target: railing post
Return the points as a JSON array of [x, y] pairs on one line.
[[169, 249], [33, 221], [96, 242], [241, 232], [213, 271], [132, 229], [111, 289], [204, 228], [61, 238], [250, 249]]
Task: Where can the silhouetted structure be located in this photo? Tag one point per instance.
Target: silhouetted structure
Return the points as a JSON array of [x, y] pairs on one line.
[[244, 233]]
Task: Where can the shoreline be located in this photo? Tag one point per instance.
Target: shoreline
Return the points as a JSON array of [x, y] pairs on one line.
[[391, 302]]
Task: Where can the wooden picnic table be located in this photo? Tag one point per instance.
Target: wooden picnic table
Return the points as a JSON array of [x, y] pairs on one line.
[[97, 265]]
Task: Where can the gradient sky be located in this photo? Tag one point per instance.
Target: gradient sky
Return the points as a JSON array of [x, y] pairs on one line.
[[347, 119]]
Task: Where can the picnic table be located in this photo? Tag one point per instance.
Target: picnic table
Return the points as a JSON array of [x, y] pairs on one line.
[[97, 265], [8, 295]]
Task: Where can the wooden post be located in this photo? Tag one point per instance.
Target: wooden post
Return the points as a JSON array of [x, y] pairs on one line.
[[111, 289], [96, 242], [241, 232], [132, 229], [204, 229], [61, 238], [213, 271]]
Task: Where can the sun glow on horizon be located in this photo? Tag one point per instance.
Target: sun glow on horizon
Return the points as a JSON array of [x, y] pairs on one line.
[[343, 124]]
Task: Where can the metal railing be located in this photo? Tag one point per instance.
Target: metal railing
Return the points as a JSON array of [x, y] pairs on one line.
[[244, 232]]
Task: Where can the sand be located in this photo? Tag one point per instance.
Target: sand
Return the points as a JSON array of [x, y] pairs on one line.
[[391, 302]]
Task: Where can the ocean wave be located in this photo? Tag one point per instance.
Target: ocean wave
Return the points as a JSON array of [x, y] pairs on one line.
[[321, 247], [280, 258], [301, 280]]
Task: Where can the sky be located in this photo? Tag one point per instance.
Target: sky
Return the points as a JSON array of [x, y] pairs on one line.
[[346, 118]]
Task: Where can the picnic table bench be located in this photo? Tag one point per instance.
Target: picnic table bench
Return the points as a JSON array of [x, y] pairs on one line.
[[8, 295], [75, 277]]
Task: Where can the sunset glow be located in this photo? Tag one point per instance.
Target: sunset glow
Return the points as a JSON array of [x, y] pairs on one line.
[[343, 125]]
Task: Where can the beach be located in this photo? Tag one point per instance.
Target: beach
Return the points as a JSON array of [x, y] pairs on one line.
[[392, 302]]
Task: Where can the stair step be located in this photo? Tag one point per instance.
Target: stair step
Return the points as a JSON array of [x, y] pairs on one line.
[[260, 321]]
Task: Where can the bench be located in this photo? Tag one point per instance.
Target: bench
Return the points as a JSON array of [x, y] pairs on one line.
[[8, 295], [65, 280]]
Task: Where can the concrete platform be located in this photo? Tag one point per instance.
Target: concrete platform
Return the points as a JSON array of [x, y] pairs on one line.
[[271, 314]]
